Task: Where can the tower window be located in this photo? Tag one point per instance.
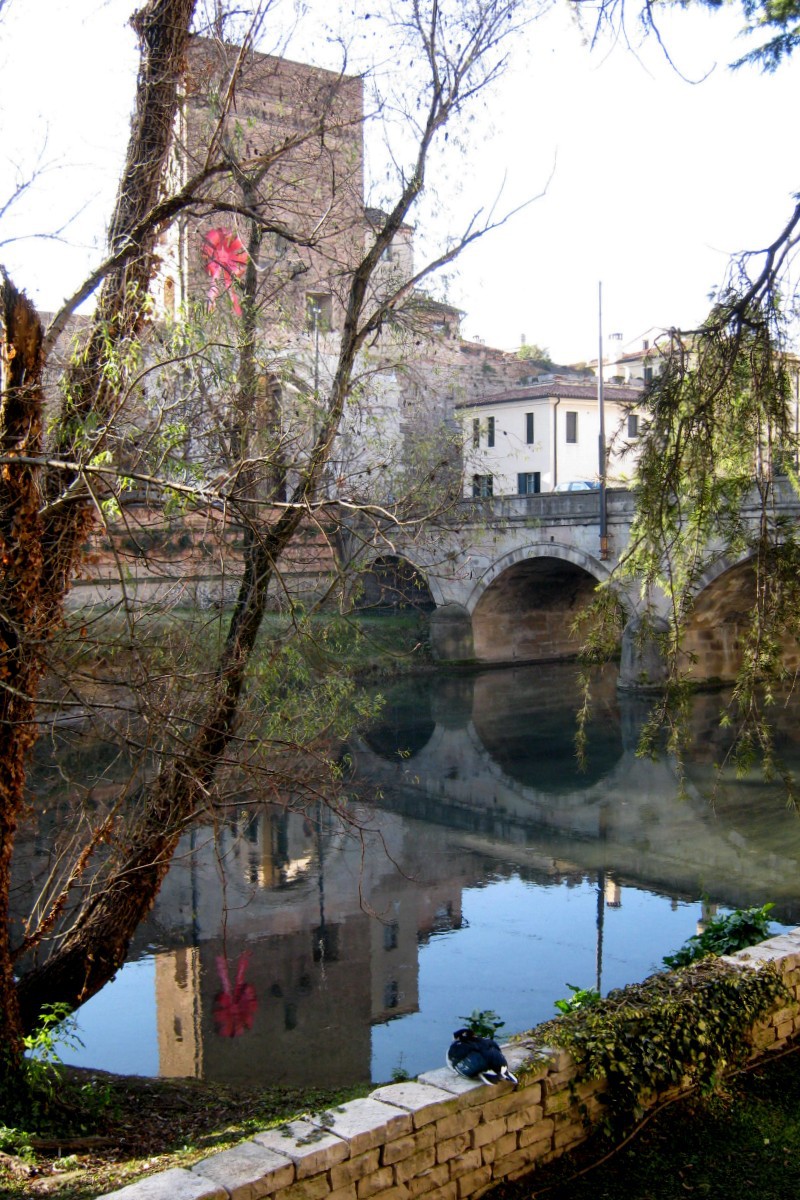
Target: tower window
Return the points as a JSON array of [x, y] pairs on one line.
[[169, 296]]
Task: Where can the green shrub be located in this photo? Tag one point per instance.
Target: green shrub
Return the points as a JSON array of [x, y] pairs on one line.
[[724, 934], [685, 1027], [580, 998], [483, 1022]]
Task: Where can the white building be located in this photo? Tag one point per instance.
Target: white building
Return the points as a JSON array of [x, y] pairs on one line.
[[543, 437], [637, 362]]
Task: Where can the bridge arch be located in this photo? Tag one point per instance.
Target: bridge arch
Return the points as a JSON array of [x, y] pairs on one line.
[[393, 581], [721, 616], [524, 605], [558, 550]]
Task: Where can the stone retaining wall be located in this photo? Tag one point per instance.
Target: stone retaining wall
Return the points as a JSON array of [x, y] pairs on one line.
[[440, 1137]]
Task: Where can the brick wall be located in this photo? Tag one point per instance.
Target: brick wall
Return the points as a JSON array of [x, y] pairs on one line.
[[298, 130], [193, 559], [439, 1136]]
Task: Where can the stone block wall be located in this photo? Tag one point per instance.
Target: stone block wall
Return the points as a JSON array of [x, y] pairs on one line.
[[440, 1137]]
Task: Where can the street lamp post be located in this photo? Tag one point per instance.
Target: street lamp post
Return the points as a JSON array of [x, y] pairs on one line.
[[602, 434]]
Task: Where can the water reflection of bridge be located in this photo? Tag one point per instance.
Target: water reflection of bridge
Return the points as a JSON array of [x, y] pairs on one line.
[[474, 758], [280, 942], [492, 773]]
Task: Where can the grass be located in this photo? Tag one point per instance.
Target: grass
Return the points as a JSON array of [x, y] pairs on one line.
[[142, 1126], [739, 1143]]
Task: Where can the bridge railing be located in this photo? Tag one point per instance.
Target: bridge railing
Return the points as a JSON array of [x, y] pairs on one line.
[[549, 508]]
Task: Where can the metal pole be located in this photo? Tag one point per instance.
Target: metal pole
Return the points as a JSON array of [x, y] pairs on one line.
[[602, 434]]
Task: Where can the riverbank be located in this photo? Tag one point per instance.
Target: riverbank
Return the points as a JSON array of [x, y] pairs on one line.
[[132, 1126], [743, 1140]]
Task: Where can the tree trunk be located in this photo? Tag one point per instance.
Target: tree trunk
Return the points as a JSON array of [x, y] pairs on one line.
[[163, 30], [39, 553], [20, 622]]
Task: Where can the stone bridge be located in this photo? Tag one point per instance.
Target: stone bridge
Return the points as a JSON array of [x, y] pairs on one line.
[[509, 577]]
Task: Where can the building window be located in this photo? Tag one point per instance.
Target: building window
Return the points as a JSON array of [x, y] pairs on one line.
[[633, 425], [319, 311], [529, 483], [648, 374], [529, 428], [391, 994], [572, 427], [482, 486], [476, 433], [390, 934], [490, 431]]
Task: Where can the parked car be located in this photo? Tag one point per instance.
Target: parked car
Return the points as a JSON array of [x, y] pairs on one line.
[[578, 485]]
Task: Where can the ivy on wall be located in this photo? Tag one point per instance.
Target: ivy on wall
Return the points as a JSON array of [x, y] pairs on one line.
[[687, 1028]]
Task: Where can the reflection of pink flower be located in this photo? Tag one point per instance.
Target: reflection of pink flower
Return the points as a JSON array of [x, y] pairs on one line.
[[226, 261], [234, 1007]]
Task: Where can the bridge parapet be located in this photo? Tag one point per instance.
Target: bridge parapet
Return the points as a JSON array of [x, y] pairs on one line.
[[551, 508]]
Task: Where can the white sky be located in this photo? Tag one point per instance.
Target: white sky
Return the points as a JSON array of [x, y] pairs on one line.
[[655, 181]]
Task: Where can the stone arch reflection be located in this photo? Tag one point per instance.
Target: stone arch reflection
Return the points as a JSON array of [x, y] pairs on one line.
[[541, 753], [406, 725]]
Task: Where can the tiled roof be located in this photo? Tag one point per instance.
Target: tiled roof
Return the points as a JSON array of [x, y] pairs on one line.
[[635, 355], [556, 391]]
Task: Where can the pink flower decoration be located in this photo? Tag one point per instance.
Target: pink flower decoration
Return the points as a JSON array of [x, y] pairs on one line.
[[234, 1006], [226, 260]]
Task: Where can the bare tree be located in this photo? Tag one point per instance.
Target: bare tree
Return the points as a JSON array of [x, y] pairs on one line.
[[52, 496]]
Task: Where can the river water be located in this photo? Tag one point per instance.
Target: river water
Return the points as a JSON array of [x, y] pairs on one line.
[[491, 873]]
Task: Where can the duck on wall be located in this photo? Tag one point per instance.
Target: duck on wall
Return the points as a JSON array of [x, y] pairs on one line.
[[477, 1057]]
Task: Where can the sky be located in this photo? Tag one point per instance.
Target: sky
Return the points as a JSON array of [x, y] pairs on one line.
[[647, 181]]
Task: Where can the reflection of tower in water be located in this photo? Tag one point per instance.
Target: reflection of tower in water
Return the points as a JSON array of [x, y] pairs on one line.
[[180, 1041], [258, 987], [289, 966], [609, 895]]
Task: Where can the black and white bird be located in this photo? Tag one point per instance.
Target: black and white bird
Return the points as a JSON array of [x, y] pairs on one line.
[[478, 1058]]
